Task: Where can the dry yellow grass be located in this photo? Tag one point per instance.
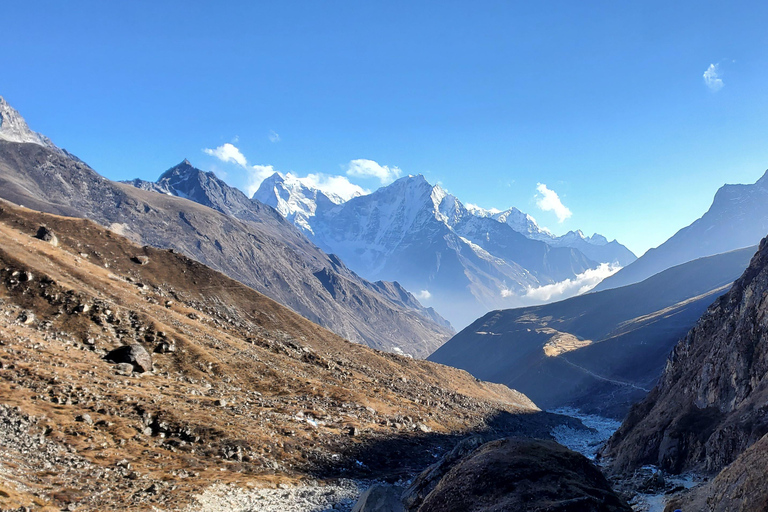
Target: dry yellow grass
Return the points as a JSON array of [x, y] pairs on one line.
[[253, 394]]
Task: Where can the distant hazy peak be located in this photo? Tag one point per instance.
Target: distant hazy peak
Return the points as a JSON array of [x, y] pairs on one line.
[[763, 181], [595, 239], [14, 128]]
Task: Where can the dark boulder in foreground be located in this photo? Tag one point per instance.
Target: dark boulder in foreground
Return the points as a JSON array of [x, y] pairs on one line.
[[523, 474], [512, 474]]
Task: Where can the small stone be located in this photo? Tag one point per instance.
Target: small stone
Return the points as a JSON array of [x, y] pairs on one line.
[[47, 235], [85, 418], [140, 259], [165, 347], [134, 354], [26, 318], [125, 368]]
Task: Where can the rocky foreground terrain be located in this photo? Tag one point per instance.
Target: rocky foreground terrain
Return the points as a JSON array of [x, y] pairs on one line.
[[136, 378], [709, 412]]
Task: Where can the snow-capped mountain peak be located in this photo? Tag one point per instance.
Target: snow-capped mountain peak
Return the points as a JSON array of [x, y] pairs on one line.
[[294, 199]]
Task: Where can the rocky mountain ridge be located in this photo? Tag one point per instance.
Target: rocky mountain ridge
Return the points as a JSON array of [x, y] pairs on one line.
[[462, 260], [244, 239], [13, 128], [425, 238]]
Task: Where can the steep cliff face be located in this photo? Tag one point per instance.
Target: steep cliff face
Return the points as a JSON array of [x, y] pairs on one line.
[[711, 404]]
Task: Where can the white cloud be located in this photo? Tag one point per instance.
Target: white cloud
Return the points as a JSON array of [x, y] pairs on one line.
[[581, 283], [364, 168], [274, 136], [257, 174], [227, 153], [423, 295], [549, 201], [333, 185], [712, 79], [339, 186]]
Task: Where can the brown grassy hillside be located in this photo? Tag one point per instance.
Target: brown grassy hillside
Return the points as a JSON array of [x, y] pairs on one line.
[[243, 390]]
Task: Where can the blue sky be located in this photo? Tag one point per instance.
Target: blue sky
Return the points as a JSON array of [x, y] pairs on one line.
[[605, 103]]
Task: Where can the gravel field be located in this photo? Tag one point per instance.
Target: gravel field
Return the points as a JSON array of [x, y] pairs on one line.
[[586, 442], [313, 497]]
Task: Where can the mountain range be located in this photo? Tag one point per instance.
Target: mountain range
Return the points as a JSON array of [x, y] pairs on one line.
[[599, 352], [737, 218], [461, 260], [218, 225]]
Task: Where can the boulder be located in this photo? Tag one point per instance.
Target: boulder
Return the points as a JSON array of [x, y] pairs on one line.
[[134, 354], [380, 498], [424, 483], [140, 259], [523, 474], [47, 235]]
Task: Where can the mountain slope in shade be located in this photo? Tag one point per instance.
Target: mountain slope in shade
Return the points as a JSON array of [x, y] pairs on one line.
[[248, 241], [710, 404], [737, 218], [423, 237], [599, 352]]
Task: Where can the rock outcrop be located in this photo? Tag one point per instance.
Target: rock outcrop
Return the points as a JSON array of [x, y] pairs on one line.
[[133, 354], [711, 404], [523, 474], [222, 228]]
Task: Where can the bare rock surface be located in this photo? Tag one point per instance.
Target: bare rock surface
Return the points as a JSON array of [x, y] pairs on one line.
[[708, 412], [709, 406], [133, 354]]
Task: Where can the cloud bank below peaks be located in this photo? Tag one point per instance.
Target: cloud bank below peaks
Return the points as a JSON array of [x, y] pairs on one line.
[[578, 285]]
